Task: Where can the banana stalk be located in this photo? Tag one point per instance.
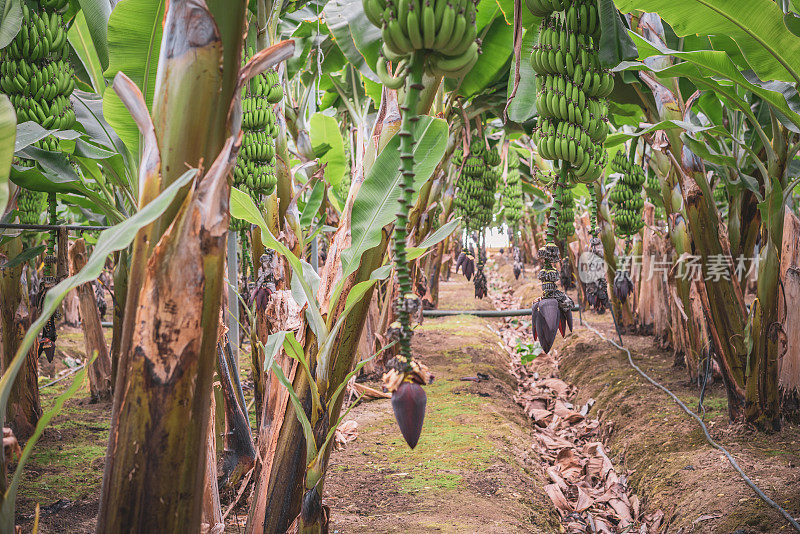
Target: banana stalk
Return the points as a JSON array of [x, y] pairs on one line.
[[175, 282]]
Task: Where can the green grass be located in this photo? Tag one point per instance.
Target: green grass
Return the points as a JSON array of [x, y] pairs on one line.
[[454, 439]]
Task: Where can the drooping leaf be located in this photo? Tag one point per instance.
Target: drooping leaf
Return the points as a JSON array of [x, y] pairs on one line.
[[11, 10], [312, 205], [325, 131], [615, 43], [97, 13], [377, 200], [496, 53], [89, 113], [22, 257], [704, 67], [523, 105], [30, 132], [772, 51], [81, 40], [434, 239], [354, 34]]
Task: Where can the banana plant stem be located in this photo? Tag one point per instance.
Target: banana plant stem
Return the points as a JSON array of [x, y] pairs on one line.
[[410, 117]]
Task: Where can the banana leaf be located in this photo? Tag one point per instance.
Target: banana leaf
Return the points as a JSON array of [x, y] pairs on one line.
[[8, 132], [377, 200], [134, 43], [772, 51]]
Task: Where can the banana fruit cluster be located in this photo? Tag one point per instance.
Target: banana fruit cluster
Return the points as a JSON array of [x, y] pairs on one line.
[[512, 192], [477, 184], [254, 171], [30, 206], [626, 197], [572, 86], [445, 30], [566, 217], [35, 72]]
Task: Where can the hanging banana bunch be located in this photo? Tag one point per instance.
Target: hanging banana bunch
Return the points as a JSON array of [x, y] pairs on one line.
[[30, 206], [512, 193], [572, 89], [653, 189], [626, 197], [438, 37], [475, 198], [628, 204], [443, 31], [36, 75], [566, 219], [255, 167], [596, 291]]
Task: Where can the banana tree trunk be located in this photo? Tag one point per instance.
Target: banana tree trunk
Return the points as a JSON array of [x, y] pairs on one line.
[[722, 302], [16, 315], [680, 239], [120, 294], [156, 462], [99, 372]]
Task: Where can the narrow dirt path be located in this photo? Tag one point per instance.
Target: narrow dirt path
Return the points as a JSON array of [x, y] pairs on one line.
[[473, 469]]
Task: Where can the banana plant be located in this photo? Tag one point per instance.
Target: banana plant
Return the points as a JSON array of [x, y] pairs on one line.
[[750, 352]]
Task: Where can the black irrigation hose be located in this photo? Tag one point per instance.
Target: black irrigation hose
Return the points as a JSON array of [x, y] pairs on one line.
[[709, 439]]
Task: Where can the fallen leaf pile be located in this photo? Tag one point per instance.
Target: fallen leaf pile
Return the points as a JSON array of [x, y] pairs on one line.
[[585, 488], [345, 433]]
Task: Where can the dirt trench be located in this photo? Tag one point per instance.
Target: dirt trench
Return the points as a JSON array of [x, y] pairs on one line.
[[662, 450]]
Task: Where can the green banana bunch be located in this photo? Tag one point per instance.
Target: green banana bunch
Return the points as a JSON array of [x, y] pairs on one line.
[[477, 184], [36, 75], [54, 5], [30, 206], [566, 217], [572, 86], [626, 196], [443, 30], [512, 192], [35, 72], [254, 171]]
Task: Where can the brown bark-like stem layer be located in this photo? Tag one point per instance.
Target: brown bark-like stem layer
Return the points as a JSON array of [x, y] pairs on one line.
[[99, 371]]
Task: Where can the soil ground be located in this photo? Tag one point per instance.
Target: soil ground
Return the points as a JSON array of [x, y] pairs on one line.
[[473, 469]]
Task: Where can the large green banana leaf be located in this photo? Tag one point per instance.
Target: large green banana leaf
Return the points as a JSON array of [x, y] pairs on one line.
[[96, 14], [357, 38], [325, 131], [757, 26], [134, 43], [704, 67], [11, 13], [376, 204], [497, 49], [8, 133], [81, 40]]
